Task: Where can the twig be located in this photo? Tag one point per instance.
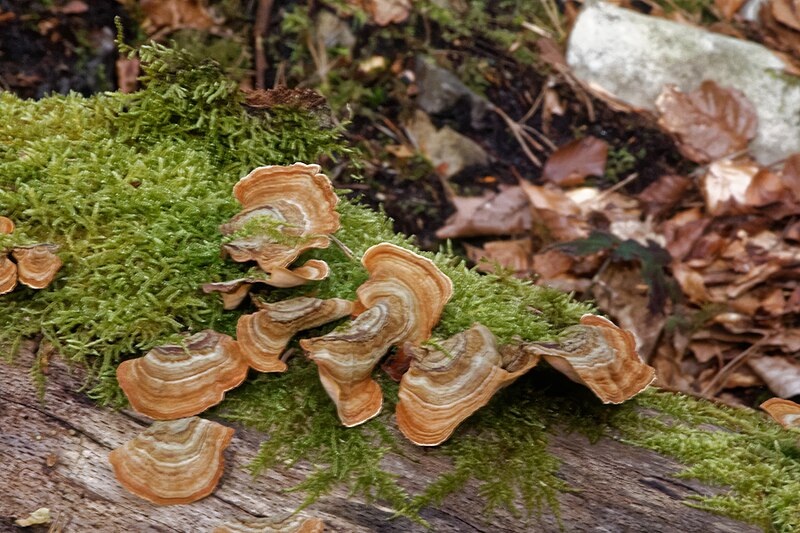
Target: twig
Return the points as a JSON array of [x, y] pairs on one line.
[[718, 380], [615, 187], [347, 251], [259, 32], [521, 135]]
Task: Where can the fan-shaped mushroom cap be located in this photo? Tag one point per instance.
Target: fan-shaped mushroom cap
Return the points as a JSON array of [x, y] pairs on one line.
[[263, 335], [785, 412], [445, 386], [6, 225], [430, 289], [298, 206], [174, 381], [298, 183], [8, 274], [37, 265], [268, 525], [601, 356], [235, 291], [179, 461], [346, 359]]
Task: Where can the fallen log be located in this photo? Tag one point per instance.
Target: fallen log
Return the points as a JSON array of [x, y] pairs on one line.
[[53, 453]]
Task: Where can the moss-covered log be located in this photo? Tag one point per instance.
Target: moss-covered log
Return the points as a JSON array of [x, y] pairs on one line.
[[54, 455], [134, 187]]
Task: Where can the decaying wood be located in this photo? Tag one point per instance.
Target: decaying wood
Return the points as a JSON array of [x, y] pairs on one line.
[[54, 454]]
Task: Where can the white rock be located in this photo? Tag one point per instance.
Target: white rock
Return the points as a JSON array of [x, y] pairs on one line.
[[632, 56]]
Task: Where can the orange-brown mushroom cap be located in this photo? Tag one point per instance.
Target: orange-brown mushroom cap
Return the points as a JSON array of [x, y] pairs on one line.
[[174, 381], [6, 225], [346, 359], [8, 274], [37, 265], [178, 461], [301, 203], [235, 291], [785, 412], [601, 356], [445, 386], [262, 336], [268, 525], [430, 287]]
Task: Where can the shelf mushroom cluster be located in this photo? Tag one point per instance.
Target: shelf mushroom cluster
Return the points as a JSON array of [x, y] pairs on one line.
[[35, 265], [287, 210]]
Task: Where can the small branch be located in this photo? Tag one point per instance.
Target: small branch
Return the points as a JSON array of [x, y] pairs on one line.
[[718, 381], [259, 32]]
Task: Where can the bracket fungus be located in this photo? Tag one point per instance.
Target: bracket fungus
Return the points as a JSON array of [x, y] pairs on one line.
[[600, 355], [179, 461], [8, 274], [37, 265], [785, 412], [268, 525], [262, 336], [428, 289], [6, 225], [175, 381], [400, 302], [235, 291], [286, 210], [444, 386], [346, 358]]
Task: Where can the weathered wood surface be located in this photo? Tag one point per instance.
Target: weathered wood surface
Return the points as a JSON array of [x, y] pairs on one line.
[[54, 454]]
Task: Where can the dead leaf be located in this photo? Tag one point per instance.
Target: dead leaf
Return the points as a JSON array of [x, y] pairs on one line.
[[791, 175], [448, 151], [166, 16], [38, 517], [571, 163], [503, 213], [781, 374], [397, 364], [515, 255], [661, 195], [728, 8], [691, 282], [705, 351], [725, 185], [618, 290], [384, 12], [710, 122], [560, 216], [127, 74], [786, 12], [74, 7], [552, 263]]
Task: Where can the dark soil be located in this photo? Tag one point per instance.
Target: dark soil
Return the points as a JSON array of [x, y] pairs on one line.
[[48, 47], [58, 47]]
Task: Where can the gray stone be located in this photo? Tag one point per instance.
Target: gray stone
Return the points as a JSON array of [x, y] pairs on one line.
[[440, 90], [447, 150], [632, 56]]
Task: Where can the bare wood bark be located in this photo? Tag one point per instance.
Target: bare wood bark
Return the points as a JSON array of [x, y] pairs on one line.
[[621, 488]]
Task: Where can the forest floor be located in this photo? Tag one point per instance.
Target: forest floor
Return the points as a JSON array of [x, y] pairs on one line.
[[457, 109]]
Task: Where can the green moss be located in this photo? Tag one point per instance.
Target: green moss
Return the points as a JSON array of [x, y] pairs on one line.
[[134, 187]]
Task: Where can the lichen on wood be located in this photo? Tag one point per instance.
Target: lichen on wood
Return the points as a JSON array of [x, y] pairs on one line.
[[134, 187]]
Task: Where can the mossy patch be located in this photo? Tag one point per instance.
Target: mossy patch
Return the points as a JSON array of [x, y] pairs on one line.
[[134, 187]]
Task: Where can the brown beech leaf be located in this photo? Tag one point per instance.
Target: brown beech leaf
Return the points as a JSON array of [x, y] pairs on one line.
[[791, 175], [384, 12], [558, 213], [165, 16], [127, 74], [725, 185], [787, 12], [664, 193], [503, 213], [515, 254], [728, 8], [710, 122], [781, 374], [571, 163]]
